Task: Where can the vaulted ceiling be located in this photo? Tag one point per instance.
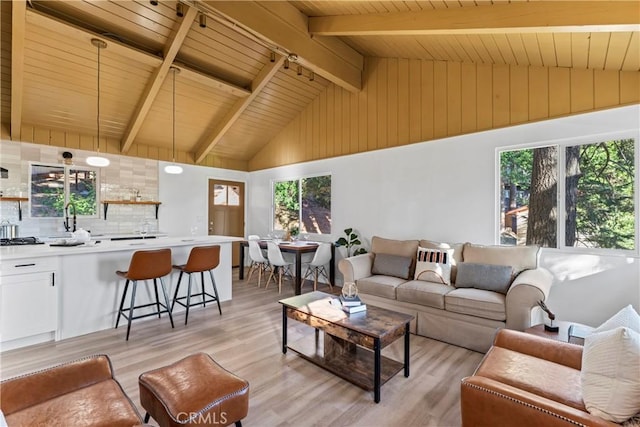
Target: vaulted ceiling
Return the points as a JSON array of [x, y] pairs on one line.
[[234, 91]]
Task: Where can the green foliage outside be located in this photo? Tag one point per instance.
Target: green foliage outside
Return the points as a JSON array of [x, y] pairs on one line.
[[48, 195], [287, 205], [606, 208]]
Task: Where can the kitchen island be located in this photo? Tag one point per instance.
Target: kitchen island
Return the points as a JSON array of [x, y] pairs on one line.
[[52, 292]]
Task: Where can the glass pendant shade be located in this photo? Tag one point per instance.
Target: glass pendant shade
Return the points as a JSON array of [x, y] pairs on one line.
[[173, 169], [98, 161]]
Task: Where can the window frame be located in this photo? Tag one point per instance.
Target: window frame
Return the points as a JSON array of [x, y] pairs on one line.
[[299, 180], [67, 193], [562, 144]]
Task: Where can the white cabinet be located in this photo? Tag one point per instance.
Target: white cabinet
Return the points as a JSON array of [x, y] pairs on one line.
[[28, 299]]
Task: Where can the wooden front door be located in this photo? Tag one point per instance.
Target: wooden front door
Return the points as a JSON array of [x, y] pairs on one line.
[[226, 211]]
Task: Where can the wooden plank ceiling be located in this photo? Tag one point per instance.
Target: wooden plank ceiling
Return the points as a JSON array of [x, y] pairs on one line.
[[233, 93]]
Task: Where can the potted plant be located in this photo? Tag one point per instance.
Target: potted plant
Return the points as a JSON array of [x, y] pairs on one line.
[[351, 241]]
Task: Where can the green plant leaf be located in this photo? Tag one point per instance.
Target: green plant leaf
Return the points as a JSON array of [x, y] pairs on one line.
[[341, 242], [348, 231]]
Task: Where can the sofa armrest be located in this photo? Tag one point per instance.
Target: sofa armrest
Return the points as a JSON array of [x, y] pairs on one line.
[[31, 389], [486, 402], [526, 290], [356, 267], [542, 348]]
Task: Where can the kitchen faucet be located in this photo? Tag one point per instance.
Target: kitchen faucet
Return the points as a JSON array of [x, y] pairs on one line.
[[66, 215]]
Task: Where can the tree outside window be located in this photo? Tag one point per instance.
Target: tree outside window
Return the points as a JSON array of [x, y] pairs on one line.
[[303, 205], [52, 187], [598, 207]]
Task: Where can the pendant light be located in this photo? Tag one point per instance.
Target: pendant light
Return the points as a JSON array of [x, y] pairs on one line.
[[97, 160], [173, 168]]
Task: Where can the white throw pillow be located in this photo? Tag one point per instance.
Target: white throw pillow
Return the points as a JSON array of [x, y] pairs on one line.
[[434, 265], [626, 317], [609, 375]]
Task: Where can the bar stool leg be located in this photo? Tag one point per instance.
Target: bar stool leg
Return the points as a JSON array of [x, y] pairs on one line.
[[133, 303], [166, 300], [175, 294], [155, 288], [215, 290], [124, 294], [186, 317], [204, 299]]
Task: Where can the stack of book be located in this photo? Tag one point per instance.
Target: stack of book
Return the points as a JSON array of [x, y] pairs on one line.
[[352, 305]]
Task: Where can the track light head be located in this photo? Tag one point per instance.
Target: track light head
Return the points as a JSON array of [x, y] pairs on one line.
[[203, 20], [286, 64], [312, 76], [153, 2], [179, 10], [299, 70], [273, 57]]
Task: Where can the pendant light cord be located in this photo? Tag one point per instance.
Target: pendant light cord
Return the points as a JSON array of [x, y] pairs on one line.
[[174, 115], [98, 116]]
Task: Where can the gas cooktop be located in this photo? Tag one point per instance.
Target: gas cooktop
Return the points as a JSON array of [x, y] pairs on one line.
[[19, 241]]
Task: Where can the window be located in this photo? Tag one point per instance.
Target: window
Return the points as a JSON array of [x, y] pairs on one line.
[[598, 184], [52, 187], [226, 195], [303, 205]]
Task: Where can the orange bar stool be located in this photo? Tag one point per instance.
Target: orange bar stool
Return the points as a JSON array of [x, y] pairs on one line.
[[201, 259], [145, 265]]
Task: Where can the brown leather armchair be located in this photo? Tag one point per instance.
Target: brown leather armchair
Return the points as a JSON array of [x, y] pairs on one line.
[[525, 380], [82, 392]]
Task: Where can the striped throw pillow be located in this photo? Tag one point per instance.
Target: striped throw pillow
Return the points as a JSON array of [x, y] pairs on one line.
[[434, 265]]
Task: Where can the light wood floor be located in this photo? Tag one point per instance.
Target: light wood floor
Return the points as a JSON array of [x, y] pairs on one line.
[[284, 389]]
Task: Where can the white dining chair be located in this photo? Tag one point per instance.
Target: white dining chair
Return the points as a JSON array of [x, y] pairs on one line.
[[278, 264], [258, 261], [317, 265]]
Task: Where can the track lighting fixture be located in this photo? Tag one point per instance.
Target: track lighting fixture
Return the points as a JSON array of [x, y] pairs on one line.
[[299, 70], [286, 64], [153, 2], [273, 57], [312, 76], [203, 20], [179, 10]]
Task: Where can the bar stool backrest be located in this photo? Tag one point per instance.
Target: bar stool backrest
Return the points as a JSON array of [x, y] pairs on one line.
[[203, 258], [147, 265]]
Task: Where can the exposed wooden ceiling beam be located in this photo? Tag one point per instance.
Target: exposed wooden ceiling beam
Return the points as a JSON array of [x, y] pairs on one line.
[[18, 24], [282, 25], [157, 79], [135, 55], [515, 17], [261, 80]]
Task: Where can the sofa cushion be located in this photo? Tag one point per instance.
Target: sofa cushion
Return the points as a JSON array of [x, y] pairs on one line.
[[609, 374], [382, 286], [424, 293], [476, 302], [406, 248], [456, 258], [489, 277], [518, 257], [391, 265], [433, 265]]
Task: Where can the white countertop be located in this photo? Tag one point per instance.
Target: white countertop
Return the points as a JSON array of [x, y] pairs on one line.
[[44, 250]]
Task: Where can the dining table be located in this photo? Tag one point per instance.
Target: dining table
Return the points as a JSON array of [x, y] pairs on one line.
[[297, 248]]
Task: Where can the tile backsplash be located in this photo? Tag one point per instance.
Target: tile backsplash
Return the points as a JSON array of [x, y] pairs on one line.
[[121, 180]]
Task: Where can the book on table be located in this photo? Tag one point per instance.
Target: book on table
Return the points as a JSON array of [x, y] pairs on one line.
[[355, 308], [350, 302]]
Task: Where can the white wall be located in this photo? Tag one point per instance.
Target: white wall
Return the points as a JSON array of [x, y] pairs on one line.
[[445, 190], [185, 197]]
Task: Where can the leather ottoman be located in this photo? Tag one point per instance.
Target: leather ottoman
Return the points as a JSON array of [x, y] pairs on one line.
[[194, 391]]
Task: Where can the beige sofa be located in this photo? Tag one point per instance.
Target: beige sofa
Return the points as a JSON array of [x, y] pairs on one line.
[[465, 316]]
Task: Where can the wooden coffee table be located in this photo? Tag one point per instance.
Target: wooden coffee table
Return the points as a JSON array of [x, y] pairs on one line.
[[352, 343]]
